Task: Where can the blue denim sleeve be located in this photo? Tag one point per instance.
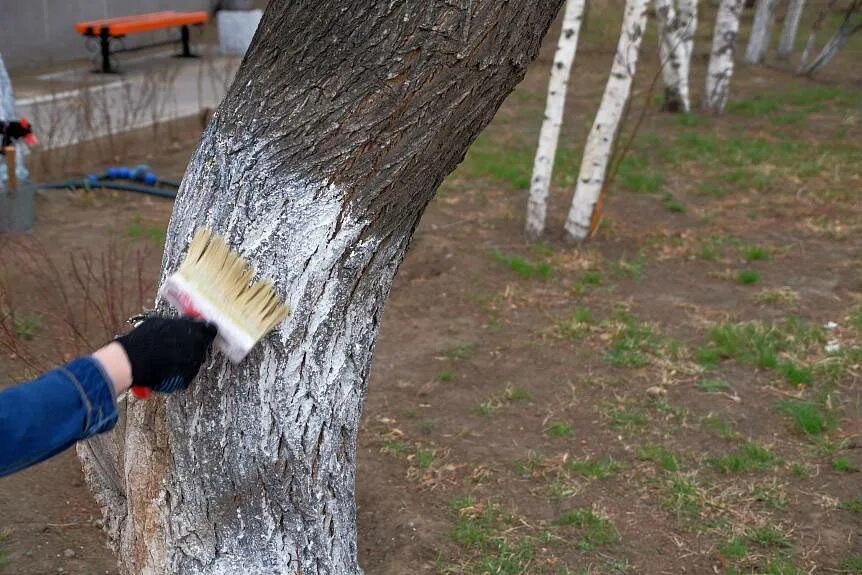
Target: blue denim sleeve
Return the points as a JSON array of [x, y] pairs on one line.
[[45, 416]]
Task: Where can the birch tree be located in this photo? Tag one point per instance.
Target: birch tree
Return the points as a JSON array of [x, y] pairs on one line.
[[721, 56], [600, 142], [845, 30], [672, 54], [687, 14], [761, 31], [543, 165], [791, 26], [341, 123], [812, 33]]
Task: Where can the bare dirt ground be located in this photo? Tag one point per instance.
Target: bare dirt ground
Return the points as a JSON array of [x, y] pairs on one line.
[[679, 395]]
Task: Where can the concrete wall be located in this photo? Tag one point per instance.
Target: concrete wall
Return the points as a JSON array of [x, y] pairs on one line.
[[40, 32]]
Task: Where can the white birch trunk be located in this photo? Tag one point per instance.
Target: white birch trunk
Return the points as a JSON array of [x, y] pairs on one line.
[[687, 15], [791, 26], [543, 165], [835, 43], [600, 141], [672, 53], [341, 123], [761, 31], [720, 69]]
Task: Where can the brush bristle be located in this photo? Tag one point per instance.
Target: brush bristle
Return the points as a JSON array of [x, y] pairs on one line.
[[223, 278]]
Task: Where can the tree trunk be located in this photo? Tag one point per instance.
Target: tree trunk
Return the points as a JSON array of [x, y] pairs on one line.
[[543, 166], [687, 15], [812, 34], [761, 31], [339, 126], [791, 26], [835, 43], [600, 141], [672, 51], [720, 69]]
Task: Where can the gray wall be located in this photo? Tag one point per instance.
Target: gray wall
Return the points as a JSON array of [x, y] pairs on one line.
[[39, 32]]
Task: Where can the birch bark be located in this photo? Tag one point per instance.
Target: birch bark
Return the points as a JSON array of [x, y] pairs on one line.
[[339, 127], [720, 69], [687, 14], [600, 141], [761, 31], [791, 26], [672, 54], [845, 30], [543, 165]]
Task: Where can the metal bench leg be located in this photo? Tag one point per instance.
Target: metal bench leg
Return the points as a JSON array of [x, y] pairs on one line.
[[105, 43]]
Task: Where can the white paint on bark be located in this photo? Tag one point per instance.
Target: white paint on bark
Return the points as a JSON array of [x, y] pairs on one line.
[[720, 69], [543, 165], [791, 26], [600, 142], [761, 31], [673, 57]]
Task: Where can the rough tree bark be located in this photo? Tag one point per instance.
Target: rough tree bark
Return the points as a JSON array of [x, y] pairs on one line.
[[600, 141], [761, 31], [791, 26], [812, 33], [845, 30], [687, 14], [543, 165], [720, 69], [339, 126], [672, 53]]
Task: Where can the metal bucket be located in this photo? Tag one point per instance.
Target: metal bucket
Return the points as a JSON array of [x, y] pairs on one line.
[[16, 208]]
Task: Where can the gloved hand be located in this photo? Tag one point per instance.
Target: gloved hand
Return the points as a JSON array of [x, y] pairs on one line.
[[166, 353]]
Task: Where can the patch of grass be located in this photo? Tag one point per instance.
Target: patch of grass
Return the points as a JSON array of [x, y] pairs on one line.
[[516, 394], [527, 468], [596, 531], [755, 253], [779, 565], [27, 326], [424, 457], [808, 417], [460, 350], [713, 385], [633, 268], [711, 190], [665, 459], [794, 374], [842, 465], [721, 425], [758, 343], [747, 277], [445, 376], [748, 457], [156, 233], [852, 505], [633, 343], [577, 325], [768, 536], [508, 164], [426, 426], [783, 296], [591, 278], [486, 408], [682, 496], [523, 267], [635, 174], [595, 468], [672, 204], [627, 419], [558, 429], [852, 564], [734, 549]]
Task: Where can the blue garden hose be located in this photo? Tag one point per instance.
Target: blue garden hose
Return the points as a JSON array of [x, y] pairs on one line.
[[88, 184]]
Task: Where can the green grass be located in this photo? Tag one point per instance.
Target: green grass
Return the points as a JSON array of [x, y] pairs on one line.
[[156, 233], [522, 266], [713, 385], [635, 174], [796, 375], [842, 465], [672, 204], [768, 536], [516, 394], [486, 408], [747, 277], [480, 529], [627, 419], [666, 460], [748, 457], [27, 326], [595, 531], [460, 350], [577, 325], [852, 564], [734, 549], [809, 418], [682, 496], [755, 253], [507, 164], [595, 468], [558, 429], [425, 457], [445, 376], [852, 505], [634, 343], [759, 343]]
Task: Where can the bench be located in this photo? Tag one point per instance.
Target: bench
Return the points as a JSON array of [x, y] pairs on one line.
[[114, 28]]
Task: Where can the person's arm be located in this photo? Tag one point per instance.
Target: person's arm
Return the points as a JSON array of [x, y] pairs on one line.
[[43, 417]]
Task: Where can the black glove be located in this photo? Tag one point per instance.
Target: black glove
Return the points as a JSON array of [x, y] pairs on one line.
[[166, 353]]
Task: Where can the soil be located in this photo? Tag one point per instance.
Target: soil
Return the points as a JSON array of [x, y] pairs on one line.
[[461, 330]]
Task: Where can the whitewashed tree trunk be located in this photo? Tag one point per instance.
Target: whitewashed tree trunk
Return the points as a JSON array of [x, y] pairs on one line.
[[687, 15], [672, 52], [8, 113], [543, 165], [835, 43], [791, 26], [812, 34], [600, 141], [761, 31], [720, 69], [339, 127]]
